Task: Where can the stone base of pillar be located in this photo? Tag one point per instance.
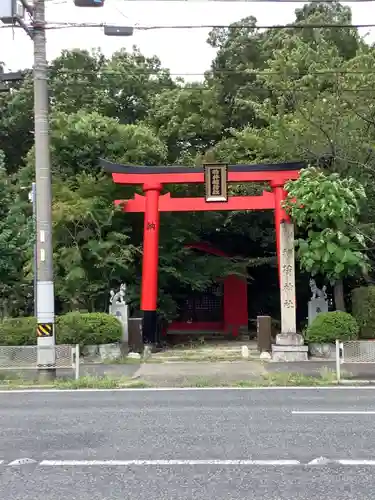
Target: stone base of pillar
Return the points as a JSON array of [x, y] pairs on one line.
[[289, 347]]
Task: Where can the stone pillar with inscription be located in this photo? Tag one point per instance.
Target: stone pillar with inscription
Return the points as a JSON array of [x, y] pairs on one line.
[[289, 344]]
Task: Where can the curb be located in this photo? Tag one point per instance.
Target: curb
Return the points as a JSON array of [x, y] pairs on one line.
[[356, 382]]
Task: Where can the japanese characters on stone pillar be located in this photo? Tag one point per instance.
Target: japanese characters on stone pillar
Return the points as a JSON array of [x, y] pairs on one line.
[[287, 278], [289, 344]]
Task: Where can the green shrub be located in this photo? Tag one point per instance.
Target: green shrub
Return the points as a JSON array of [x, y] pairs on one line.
[[363, 309], [327, 327], [18, 331], [71, 328], [88, 328]]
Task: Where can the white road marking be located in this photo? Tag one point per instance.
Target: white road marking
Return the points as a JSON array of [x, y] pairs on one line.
[[356, 462], [320, 461], [116, 463], [179, 389], [335, 412], [23, 461]]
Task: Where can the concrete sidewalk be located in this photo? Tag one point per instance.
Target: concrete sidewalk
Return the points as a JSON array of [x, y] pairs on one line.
[[175, 374]]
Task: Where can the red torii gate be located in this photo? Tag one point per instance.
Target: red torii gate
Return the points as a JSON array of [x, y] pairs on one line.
[[152, 180]]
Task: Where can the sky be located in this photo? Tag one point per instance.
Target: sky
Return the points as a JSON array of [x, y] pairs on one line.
[[184, 52]]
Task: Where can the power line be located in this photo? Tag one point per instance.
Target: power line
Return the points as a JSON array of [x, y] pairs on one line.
[[201, 86], [99, 85], [249, 72], [101, 73], [249, 91], [58, 25], [232, 26], [69, 25], [59, 2], [211, 72]]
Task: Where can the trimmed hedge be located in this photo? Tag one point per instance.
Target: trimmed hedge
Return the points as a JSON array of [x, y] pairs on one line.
[[18, 331], [88, 329], [331, 326], [363, 309], [71, 328]]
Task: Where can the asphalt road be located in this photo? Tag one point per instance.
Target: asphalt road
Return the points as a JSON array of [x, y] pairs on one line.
[[204, 431]]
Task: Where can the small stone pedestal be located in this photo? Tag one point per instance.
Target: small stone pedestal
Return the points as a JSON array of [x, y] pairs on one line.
[[317, 306], [289, 347]]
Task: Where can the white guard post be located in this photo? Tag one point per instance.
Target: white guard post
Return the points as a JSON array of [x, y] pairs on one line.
[[339, 359], [76, 362]]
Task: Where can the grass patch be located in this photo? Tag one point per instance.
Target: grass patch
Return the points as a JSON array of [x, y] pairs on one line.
[[201, 382], [209, 357], [124, 360], [88, 382], [104, 382], [325, 378], [11, 379], [9, 375], [131, 361], [190, 344]]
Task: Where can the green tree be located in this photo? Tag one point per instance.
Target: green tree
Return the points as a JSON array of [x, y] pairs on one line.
[[75, 80], [326, 210], [16, 124], [188, 119], [241, 50], [92, 249], [121, 87], [16, 247], [79, 139], [347, 41]]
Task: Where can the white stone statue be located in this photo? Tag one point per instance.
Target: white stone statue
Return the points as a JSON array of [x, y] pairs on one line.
[[119, 308], [119, 297], [317, 293]]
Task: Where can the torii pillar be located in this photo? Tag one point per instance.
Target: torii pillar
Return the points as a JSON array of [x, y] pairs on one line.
[[149, 295]]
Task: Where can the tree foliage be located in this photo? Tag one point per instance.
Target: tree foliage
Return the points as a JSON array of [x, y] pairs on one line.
[[16, 243], [326, 208]]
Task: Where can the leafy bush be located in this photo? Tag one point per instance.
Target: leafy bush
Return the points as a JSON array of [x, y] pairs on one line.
[[327, 327], [88, 328], [71, 328], [18, 331], [363, 309]]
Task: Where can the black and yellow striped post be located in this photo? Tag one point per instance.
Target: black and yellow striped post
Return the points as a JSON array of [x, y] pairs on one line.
[[44, 330]]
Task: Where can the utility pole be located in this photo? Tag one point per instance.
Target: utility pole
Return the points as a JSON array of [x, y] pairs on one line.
[[45, 296], [13, 12]]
